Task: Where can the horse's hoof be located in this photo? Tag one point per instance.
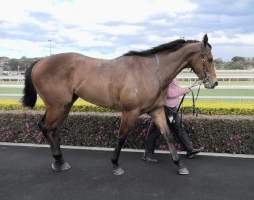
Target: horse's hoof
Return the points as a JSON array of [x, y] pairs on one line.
[[60, 167], [118, 171], [183, 171]]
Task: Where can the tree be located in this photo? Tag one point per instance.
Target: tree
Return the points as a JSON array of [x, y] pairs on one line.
[[219, 64], [235, 65], [237, 58], [13, 64]]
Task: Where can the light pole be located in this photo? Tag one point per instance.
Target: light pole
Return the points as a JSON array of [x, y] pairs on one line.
[[50, 46]]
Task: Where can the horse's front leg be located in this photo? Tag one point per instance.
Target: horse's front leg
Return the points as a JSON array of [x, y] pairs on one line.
[[159, 118], [127, 121]]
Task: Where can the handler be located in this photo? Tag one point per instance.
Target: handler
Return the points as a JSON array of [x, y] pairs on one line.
[[174, 91]]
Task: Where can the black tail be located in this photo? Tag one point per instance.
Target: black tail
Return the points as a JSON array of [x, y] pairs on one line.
[[30, 94]]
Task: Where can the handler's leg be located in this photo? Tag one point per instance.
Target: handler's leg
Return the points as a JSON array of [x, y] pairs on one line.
[[160, 120], [152, 136], [181, 134]]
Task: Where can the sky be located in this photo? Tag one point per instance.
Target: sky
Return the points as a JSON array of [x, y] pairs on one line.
[[109, 28]]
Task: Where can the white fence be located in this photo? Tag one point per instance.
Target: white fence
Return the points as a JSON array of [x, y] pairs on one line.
[[222, 75], [250, 87], [18, 96]]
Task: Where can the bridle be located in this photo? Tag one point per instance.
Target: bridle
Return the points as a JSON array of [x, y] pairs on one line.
[[195, 111], [204, 62]]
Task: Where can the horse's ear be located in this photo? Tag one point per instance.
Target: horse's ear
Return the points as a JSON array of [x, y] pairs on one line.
[[205, 40]]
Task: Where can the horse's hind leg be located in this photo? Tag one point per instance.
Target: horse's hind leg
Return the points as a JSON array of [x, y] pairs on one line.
[[52, 119], [160, 120], [48, 126]]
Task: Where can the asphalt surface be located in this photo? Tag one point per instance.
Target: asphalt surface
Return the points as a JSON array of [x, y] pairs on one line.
[[25, 174]]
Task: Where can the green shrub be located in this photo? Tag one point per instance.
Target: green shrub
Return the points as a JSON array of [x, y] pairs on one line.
[[204, 107]]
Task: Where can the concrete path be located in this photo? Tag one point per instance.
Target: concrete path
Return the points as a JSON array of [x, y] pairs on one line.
[[25, 174]]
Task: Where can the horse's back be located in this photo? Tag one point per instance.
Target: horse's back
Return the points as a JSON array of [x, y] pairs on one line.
[[53, 77]]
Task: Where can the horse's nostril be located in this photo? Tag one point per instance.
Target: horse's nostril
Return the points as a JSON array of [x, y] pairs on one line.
[[216, 84]]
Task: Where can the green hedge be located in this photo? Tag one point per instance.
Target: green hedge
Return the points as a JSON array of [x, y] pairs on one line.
[[206, 107], [75, 108], [215, 133]]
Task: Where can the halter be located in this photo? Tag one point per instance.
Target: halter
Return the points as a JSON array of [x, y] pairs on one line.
[[194, 100], [204, 61]]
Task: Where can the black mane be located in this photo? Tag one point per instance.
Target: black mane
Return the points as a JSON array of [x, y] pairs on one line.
[[168, 47]]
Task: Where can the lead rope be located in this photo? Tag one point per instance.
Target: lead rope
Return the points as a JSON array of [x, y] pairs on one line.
[[194, 100], [196, 110]]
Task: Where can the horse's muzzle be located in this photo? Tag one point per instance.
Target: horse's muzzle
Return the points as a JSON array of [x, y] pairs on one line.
[[216, 83], [211, 84]]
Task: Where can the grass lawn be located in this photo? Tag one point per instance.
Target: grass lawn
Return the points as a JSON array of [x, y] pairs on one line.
[[203, 92], [4, 90], [225, 92]]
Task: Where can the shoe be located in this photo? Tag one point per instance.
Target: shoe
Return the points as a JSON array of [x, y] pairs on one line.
[[191, 154], [148, 157]]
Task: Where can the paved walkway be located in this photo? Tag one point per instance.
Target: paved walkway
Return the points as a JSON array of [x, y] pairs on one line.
[[25, 175]]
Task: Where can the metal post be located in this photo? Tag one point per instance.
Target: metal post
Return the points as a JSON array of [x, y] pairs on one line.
[[50, 46]]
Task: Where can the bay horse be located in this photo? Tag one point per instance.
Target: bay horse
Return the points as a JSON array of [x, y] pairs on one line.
[[134, 83]]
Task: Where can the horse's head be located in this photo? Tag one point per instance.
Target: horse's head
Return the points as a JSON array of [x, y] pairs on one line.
[[202, 64]]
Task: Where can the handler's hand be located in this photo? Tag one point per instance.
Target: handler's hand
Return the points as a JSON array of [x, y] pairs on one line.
[[196, 83]]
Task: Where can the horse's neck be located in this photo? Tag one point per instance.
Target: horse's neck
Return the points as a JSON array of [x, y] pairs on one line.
[[173, 63]]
